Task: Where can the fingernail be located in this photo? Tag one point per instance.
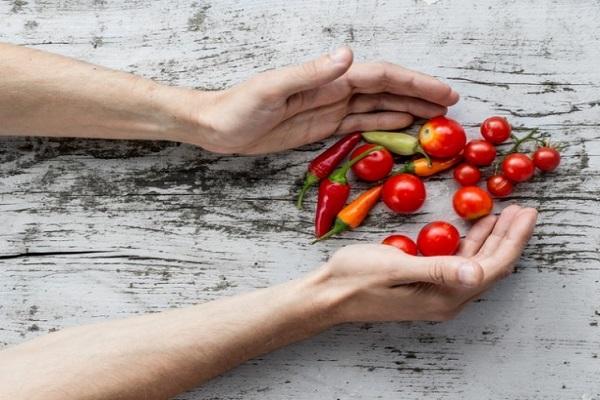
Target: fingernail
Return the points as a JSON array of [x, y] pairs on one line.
[[467, 275], [339, 56]]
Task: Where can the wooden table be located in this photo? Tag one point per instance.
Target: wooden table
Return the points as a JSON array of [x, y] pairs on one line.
[[93, 230]]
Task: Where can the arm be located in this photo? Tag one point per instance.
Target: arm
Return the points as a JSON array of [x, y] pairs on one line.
[[42, 94], [159, 355]]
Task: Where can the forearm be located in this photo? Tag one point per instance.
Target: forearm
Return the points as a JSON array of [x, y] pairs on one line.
[[157, 356], [43, 94]]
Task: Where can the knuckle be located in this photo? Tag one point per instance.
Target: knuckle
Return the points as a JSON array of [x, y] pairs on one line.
[[380, 102], [382, 68], [309, 70], [436, 272], [411, 82], [372, 102], [298, 101]]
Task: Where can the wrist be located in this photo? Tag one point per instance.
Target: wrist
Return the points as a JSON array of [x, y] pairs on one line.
[[324, 299], [184, 113]]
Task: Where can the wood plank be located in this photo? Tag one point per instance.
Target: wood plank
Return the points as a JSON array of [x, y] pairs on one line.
[[93, 230]]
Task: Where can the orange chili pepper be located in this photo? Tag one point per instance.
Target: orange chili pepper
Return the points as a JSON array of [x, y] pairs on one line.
[[421, 166], [354, 213]]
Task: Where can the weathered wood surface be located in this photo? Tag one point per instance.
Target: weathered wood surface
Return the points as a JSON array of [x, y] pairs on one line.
[[92, 230]]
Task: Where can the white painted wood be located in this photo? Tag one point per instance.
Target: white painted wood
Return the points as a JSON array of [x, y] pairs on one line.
[[92, 230]]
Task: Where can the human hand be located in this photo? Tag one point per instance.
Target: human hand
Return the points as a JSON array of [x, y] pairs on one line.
[[293, 106], [371, 282]]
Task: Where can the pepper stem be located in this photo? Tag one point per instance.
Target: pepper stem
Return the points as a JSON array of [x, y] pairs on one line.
[[339, 227], [309, 181], [404, 168], [420, 150], [339, 175]]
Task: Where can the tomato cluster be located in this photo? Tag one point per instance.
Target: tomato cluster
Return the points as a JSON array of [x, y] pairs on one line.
[[445, 141], [515, 167]]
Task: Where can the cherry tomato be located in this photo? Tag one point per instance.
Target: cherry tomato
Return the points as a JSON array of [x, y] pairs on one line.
[[438, 238], [466, 174], [480, 153], [546, 158], [442, 137], [403, 243], [403, 193], [518, 167], [471, 202], [495, 129], [373, 167], [499, 185]]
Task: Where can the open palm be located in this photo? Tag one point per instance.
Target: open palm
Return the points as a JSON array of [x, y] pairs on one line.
[[381, 283], [292, 106]]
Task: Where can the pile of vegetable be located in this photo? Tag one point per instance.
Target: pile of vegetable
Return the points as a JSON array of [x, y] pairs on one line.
[[440, 145]]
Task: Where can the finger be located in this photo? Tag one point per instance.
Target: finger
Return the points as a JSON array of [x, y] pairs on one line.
[[386, 120], [502, 262], [364, 103], [387, 77], [471, 244], [447, 271], [284, 82], [504, 222]]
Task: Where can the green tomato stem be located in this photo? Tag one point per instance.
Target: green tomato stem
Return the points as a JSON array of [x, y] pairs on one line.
[[339, 175]]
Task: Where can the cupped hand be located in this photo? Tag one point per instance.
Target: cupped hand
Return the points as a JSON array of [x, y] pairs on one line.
[[381, 283], [293, 106]]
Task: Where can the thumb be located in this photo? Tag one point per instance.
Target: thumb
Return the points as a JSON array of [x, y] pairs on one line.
[[290, 80], [442, 270]]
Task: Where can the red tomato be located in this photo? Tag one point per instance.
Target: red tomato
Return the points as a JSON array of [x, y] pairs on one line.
[[373, 167], [442, 137], [546, 158], [466, 174], [499, 185], [471, 202], [403, 243], [495, 129], [518, 167], [438, 238], [480, 153], [403, 193]]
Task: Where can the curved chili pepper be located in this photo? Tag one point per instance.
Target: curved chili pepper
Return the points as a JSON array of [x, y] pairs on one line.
[[354, 213], [325, 163], [396, 142], [421, 167], [333, 193]]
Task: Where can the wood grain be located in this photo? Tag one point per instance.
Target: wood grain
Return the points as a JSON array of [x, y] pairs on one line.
[[93, 230]]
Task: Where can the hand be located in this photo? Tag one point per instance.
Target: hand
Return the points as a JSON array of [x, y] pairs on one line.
[[293, 106], [381, 283]]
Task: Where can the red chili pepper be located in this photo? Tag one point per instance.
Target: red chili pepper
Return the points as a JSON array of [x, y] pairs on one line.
[[325, 163], [351, 216], [333, 193]]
